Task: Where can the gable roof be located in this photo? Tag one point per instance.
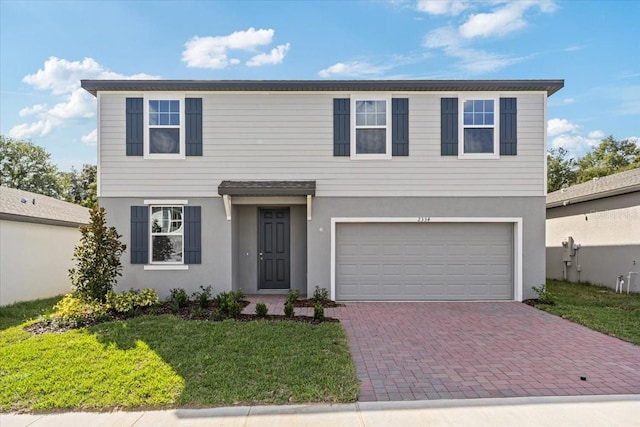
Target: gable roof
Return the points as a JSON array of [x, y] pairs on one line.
[[598, 188], [549, 86], [24, 206]]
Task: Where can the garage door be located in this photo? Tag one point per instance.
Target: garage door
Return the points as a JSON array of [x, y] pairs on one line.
[[422, 262]]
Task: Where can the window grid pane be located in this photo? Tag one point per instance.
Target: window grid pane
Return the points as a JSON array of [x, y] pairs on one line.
[[478, 112]]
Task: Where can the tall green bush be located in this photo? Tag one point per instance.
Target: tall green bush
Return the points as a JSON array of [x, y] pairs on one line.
[[97, 258]]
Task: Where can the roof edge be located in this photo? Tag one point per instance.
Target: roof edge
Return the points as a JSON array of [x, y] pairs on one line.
[[595, 196], [549, 86]]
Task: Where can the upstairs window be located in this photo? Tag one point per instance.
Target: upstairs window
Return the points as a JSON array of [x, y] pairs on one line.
[[164, 126], [479, 135], [167, 232], [371, 128]]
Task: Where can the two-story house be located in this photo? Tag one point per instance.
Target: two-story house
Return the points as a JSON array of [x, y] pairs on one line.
[[376, 190]]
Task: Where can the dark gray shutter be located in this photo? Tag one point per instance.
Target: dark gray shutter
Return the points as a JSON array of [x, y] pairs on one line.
[[508, 127], [400, 126], [193, 126], [341, 127], [135, 126], [139, 234], [449, 126], [192, 235]]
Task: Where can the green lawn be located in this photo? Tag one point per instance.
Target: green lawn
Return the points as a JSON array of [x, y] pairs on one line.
[[15, 314], [164, 361], [598, 308]]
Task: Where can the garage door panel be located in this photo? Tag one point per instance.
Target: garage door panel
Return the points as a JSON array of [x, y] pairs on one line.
[[437, 261]]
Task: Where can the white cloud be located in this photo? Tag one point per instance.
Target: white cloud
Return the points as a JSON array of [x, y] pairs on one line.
[[213, 51], [91, 138], [442, 7], [274, 57], [456, 41], [597, 134], [62, 79], [27, 130], [61, 76], [559, 126], [29, 111], [354, 69], [575, 144]]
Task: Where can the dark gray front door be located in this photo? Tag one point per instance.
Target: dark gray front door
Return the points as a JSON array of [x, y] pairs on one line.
[[273, 246]]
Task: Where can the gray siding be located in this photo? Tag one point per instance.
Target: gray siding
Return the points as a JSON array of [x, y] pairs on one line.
[[255, 136]]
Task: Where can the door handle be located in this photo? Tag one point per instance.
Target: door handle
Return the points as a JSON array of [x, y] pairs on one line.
[[260, 256]]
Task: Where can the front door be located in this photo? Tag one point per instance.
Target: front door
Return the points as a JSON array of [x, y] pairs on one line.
[[273, 247]]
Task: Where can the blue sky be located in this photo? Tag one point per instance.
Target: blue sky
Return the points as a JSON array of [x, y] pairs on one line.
[[47, 47]]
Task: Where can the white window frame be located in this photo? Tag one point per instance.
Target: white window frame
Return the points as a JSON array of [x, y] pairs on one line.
[[496, 125], [370, 97], [151, 234], [163, 96]]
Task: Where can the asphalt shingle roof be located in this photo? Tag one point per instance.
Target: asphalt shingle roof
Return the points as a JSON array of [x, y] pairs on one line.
[[20, 205], [619, 183]]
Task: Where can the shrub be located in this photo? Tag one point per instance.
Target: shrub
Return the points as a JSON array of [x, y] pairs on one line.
[[178, 299], [97, 258], [129, 302], [228, 303], [288, 310], [73, 309], [318, 311], [203, 296], [321, 295], [544, 296], [261, 309], [292, 296]]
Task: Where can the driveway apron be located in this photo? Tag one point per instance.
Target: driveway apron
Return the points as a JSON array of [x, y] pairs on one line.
[[442, 350]]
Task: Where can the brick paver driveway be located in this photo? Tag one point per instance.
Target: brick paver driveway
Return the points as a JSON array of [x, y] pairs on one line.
[[407, 351], [444, 350]]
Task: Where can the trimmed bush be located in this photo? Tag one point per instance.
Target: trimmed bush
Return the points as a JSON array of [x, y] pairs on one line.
[[318, 311], [261, 309], [288, 310]]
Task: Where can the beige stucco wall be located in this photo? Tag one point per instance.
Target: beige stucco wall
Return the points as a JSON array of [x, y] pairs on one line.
[[608, 231], [34, 261]]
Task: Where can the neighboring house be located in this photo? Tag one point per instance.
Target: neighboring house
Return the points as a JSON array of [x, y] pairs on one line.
[[602, 218], [375, 190], [37, 237]]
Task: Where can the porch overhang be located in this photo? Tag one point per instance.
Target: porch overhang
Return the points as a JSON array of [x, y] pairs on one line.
[[261, 189]]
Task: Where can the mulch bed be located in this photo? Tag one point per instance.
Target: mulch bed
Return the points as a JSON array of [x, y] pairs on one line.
[[311, 302], [535, 302], [192, 311]]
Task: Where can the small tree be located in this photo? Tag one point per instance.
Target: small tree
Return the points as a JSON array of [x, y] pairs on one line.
[[97, 258]]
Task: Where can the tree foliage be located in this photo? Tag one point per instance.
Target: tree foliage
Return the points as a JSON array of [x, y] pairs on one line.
[[561, 169], [26, 166], [80, 187], [97, 258], [609, 157]]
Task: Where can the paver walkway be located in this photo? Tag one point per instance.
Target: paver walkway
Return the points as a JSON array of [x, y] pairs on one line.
[[443, 350]]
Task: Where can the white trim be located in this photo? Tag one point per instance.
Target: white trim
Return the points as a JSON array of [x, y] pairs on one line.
[[166, 267], [544, 151], [98, 146], [309, 207], [179, 96], [479, 96], [380, 96], [269, 200], [165, 202], [226, 199], [517, 241]]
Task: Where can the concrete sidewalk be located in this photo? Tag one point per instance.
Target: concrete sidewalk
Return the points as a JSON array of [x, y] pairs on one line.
[[583, 411]]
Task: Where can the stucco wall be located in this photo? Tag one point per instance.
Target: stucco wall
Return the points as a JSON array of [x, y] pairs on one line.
[[608, 231], [221, 269], [35, 260]]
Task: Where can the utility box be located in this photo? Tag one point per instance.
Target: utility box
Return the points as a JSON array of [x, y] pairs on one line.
[[568, 249]]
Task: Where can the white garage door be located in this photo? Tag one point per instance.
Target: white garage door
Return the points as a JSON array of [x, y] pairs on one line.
[[423, 262]]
